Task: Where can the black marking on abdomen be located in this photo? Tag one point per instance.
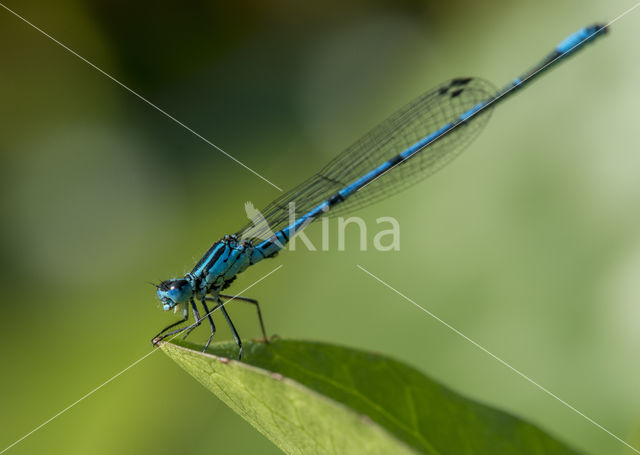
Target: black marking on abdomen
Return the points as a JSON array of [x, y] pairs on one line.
[[395, 160], [335, 199]]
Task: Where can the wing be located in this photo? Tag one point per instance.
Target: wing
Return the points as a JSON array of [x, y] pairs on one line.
[[411, 123]]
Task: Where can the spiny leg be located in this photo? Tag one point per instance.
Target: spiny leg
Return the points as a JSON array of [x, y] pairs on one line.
[[196, 315], [254, 302], [185, 317], [213, 327]]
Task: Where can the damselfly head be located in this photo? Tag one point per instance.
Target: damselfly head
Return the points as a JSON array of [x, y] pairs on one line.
[[174, 292]]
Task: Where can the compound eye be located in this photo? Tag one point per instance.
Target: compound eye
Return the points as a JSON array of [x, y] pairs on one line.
[[174, 292]]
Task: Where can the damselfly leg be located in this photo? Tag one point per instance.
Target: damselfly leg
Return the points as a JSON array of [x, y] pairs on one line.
[[233, 329], [185, 317], [253, 302], [213, 326], [196, 315], [161, 336]]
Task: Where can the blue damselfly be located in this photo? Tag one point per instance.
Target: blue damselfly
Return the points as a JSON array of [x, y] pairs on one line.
[[413, 143]]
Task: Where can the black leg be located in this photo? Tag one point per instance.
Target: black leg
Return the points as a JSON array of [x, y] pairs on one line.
[[196, 315], [185, 316], [213, 326], [160, 338], [254, 302], [233, 330]]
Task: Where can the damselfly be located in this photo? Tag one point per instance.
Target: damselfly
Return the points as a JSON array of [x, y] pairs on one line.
[[413, 143]]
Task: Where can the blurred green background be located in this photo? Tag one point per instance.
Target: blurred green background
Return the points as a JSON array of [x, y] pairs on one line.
[[529, 243]]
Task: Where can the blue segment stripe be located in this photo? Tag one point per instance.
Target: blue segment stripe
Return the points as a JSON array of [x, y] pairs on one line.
[[422, 143], [349, 190], [473, 111], [572, 41], [580, 37]]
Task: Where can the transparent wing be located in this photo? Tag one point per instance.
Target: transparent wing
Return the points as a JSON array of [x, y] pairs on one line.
[[410, 124]]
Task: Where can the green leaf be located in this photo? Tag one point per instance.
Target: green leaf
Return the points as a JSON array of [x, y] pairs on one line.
[[314, 398]]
